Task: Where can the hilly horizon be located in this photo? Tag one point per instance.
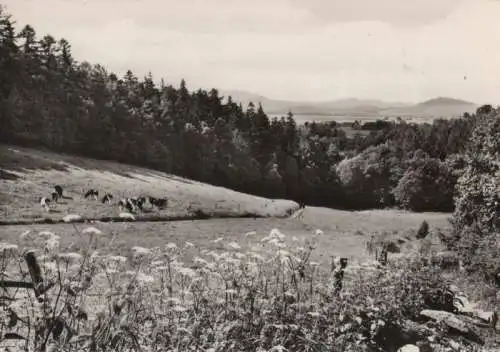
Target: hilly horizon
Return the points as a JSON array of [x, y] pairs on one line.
[[354, 108]]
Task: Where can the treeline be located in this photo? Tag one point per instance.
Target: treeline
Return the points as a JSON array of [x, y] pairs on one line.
[[49, 99]]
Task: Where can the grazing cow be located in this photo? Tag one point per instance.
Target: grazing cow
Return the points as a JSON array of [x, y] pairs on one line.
[[92, 193], [159, 203], [107, 198], [55, 196], [59, 190], [44, 202], [128, 204]]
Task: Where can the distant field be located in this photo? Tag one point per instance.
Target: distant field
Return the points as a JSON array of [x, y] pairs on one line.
[[301, 119], [27, 174], [344, 233]]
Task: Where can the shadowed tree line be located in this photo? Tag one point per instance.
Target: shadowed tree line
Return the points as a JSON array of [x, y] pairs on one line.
[[49, 99]]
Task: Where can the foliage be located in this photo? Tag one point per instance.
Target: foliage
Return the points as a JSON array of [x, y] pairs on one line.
[[423, 230], [476, 221], [427, 184], [226, 300], [49, 99]]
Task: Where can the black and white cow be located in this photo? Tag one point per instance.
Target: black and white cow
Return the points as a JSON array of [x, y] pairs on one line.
[[107, 198], [92, 193]]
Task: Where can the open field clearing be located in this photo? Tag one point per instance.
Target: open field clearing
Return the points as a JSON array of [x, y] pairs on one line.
[[343, 233], [29, 174]]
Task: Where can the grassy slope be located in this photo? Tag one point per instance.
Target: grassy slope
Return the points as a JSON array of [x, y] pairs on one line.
[[28, 174]]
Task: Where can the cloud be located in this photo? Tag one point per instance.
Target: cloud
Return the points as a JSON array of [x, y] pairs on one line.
[[396, 12], [289, 49]]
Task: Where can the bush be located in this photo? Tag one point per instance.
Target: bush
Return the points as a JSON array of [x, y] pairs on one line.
[[423, 230]]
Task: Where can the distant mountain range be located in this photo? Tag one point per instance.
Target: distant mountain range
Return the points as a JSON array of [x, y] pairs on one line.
[[348, 109]]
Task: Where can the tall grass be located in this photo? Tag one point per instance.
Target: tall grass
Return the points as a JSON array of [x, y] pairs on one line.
[[225, 300]]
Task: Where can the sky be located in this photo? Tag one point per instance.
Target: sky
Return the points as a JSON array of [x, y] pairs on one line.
[[393, 50]]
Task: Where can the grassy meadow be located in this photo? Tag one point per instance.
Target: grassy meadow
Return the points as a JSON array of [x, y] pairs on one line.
[[30, 174], [233, 284]]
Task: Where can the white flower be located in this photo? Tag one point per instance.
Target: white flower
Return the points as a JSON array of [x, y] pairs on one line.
[[275, 233], [70, 257], [46, 234], [117, 258], [24, 235], [234, 245], [170, 246], [141, 250], [318, 232], [92, 230], [143, 278], [8, 248], [187, 272], [52, 243]]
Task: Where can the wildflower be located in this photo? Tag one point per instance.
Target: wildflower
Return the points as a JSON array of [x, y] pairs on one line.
[[275, 233], [200, 261], [8, 249], [187, 272], [46, 234], [170, 246], [157, 263], [116, 259], [70, 257], [240, 255], [277, 243], [143, 278], [92, 230], [24, 235], [140, 251], [234, 245], [52, 243]]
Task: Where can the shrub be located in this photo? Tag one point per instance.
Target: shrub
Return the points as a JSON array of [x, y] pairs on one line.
[[423, 230]]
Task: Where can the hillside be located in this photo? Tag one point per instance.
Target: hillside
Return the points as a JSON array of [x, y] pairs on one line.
[[27, 174], [436, 108], [441, 107]]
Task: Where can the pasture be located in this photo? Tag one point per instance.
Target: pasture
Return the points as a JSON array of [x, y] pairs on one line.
[[188, 272], [343, 233], [29, 174]]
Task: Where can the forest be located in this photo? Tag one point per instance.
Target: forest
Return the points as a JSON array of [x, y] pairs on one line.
[[51, 100]]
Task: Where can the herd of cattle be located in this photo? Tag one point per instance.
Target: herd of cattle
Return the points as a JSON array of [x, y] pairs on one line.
[[132, 205]]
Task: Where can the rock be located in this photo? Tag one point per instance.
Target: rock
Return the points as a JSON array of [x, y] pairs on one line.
[[465, 307], [409, 348], [72, 218], [446, 260], [454, 323]]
